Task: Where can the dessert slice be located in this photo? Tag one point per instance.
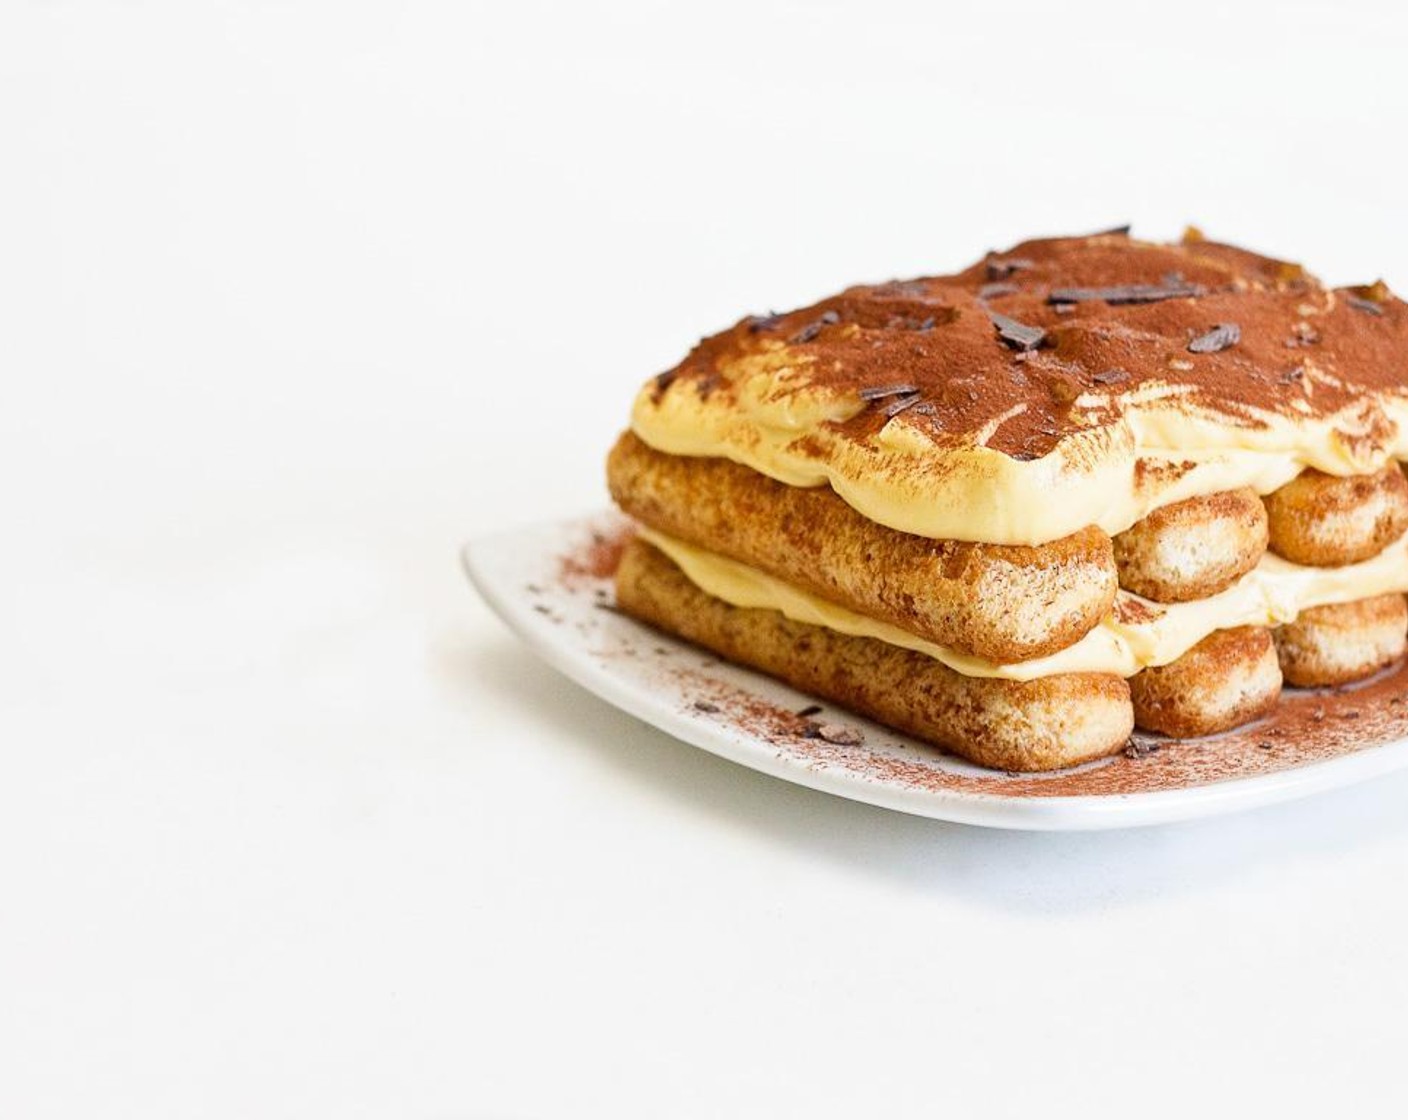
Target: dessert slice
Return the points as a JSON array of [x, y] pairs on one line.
[[1017, 509]]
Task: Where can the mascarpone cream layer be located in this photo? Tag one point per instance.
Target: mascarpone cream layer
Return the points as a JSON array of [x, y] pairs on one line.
[[1274, 592], [1161, 449]]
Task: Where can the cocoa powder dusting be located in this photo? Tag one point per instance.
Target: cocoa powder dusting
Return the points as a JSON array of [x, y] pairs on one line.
[[1132, 612], [597, 558], [1307, 727], [1103, 316]]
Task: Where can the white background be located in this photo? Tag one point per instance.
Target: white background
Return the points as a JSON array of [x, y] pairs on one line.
[[295, 296]]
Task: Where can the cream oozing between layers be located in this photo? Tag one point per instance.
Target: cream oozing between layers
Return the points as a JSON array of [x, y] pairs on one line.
[[1274, 592], [1108, 475]]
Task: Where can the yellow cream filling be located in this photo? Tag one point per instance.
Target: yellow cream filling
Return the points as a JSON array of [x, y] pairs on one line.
[[960, 489], [1275, 591]]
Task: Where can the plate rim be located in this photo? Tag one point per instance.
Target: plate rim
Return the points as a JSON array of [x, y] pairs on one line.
[[1060, 812]]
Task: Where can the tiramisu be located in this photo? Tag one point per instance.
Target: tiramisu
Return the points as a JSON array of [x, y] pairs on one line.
[[1085, 484]]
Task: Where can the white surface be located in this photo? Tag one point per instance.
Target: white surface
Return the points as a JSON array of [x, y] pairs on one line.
[[659, 679], [290, 826]]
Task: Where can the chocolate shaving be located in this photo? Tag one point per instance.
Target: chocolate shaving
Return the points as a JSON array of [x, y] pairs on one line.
[[904, 289], [878, 392], [811, 330], [1116, 231], [1291, 376], [903, 403], [1359, 303], [1126, 293], [809, 710], [1110, 377], [766, 322], [1017, 335], [1219, 338], [992, 291], [837, 733], [1000, 268]]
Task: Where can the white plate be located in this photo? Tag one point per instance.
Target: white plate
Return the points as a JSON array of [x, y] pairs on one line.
[[552, 586]]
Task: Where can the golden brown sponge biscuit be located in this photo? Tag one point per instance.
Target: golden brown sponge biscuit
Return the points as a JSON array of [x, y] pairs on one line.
[[1328, 521], [1342, 643], [1004, 603], [1009, 725], [1229, 678], [1193, 549]]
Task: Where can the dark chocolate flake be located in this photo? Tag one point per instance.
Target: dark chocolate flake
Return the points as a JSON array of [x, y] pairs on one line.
[[1126, 293], [809, 710], [1110, 377], [837, 733], [1219, 338], [812, 329], [766, 322], [1359, 303], [902, 289], [992, 291], [898, 406], [1017, 335], [1000, 268], [878, 392]]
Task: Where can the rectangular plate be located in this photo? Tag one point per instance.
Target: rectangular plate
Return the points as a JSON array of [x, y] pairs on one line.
[[552, 586]]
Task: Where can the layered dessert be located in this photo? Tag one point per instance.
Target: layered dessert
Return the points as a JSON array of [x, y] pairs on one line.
[[1084, 485]]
